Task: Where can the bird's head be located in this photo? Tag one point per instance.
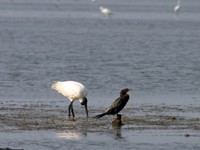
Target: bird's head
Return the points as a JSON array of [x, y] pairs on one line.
[[84, 102], [124, 91]]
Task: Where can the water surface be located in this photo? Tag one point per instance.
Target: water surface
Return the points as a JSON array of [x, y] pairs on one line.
[[143, 46]]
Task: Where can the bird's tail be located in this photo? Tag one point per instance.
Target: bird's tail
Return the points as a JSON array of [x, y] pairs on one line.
[[100, 115], [54, 86], [58, 86]]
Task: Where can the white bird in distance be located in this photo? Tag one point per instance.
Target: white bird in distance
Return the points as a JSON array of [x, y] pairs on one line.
[[177, 7], [105, 11]]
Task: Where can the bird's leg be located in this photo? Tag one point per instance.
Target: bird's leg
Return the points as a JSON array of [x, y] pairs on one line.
[[72, 109], [69, 109]]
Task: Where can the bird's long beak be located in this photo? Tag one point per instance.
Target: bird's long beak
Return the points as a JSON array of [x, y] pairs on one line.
[[84, 102], [86, 109], [130, 90]]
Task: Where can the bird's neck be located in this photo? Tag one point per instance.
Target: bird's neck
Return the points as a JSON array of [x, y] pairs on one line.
[[122, 94]]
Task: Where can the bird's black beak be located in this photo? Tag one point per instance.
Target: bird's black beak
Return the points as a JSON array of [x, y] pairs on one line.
[[84, 102]]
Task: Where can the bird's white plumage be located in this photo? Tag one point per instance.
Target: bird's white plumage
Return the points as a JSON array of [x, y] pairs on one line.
[[177, 7], [71, 89], [105, 11]]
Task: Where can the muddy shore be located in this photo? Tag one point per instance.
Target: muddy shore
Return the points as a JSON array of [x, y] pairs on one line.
[[43, 115]]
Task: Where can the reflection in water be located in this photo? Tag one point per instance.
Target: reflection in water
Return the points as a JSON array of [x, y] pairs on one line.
[[117, 124], [71, 135], [117, 130]]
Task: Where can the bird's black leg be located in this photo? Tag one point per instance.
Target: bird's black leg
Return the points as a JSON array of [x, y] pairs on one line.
[[69, 109], [72, 109]]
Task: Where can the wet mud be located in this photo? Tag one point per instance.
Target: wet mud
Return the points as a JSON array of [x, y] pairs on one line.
[[16, 116]]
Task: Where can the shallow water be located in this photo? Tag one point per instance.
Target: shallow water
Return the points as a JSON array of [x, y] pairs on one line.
[[143, 46], [49, 140]]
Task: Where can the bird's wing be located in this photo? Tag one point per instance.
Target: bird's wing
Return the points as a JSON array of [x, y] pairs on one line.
[[64, 89], [115, 104], [118, 105], [72, 90]]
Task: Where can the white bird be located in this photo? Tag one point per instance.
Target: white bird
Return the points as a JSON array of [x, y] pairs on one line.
[[177, 7], [73, 91], [105, 11]]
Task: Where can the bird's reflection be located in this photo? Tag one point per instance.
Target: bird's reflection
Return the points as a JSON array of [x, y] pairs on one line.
[[117, 125], [71, 135], [118, 134]]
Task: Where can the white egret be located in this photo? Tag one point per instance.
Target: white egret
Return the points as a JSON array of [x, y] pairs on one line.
[[177, 7], [105, 11], [73, 91]]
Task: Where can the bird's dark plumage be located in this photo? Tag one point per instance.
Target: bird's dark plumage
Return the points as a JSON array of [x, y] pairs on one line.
[[117, 105]]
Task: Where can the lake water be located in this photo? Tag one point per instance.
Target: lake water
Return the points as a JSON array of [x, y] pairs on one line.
[[143, 46]]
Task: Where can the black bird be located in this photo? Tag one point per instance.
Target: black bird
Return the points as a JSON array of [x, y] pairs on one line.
[[117, 105]]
